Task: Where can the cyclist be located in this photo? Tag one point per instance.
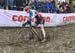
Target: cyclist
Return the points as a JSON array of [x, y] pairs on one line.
[[37, 19]]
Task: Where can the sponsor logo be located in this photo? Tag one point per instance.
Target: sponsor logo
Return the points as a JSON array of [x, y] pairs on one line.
[[69, 18], [21, 18]]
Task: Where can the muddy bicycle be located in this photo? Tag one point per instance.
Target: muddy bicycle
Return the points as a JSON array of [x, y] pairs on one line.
[[29, 34]]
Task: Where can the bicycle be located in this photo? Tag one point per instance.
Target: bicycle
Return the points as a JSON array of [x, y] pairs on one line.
[[28, 34]]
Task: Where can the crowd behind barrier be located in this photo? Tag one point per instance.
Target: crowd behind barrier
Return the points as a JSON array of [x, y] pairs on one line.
[[47, 7]]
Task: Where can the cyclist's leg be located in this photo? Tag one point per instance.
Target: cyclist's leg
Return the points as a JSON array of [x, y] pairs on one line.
[[43, 32], [41, 22]]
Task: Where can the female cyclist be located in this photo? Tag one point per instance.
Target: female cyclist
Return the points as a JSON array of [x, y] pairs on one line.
[[35, 17]]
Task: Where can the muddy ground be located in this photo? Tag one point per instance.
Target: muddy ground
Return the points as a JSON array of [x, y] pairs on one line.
[[61, 40]]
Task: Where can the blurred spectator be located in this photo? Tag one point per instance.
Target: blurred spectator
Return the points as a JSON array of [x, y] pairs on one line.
[[34, 4], [58, 7], [50, 6], [74, 7], [65, 7], [41, 7], [1, 3], [44, 7], [8, 3], [19, 4]]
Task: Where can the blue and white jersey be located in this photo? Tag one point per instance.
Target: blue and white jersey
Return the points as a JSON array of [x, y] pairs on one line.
[[32, 14]]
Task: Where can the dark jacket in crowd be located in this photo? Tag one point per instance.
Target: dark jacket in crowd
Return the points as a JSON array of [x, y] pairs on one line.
[[8, 2], [19, 4], [34, 5]]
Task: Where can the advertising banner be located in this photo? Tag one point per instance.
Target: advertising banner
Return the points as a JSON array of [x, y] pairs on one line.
[[9, 18]]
